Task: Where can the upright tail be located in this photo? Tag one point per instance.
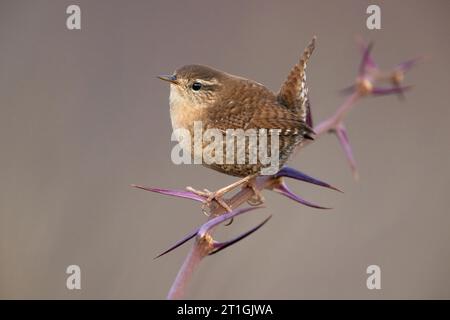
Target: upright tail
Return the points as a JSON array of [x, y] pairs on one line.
[[294, 91]]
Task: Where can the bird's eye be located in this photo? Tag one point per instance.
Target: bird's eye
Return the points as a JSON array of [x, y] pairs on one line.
[[196, 86]]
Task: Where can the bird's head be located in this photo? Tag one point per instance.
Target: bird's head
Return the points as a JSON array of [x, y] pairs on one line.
[[196, 86]]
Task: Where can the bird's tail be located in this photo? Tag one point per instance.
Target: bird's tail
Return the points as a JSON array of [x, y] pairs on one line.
[[294, 91]]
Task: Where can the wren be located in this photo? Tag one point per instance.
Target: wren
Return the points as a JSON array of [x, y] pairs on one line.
[[224, 101]]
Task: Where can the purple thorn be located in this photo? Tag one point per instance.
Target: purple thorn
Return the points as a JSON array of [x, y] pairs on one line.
[[178, 243], [201, 231], [392, 90], [366, 60], [222, 245], [342, 136], [295, 174], [174, 193], [363, 48], [284, 190], [407, 65]]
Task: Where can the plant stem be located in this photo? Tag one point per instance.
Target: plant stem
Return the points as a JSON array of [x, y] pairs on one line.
[[199, 249], [185, 273]]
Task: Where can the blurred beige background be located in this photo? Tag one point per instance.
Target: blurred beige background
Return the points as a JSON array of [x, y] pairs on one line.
[[83, 117]]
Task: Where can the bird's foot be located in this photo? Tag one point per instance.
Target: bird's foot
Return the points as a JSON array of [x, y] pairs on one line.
[[217, 196], [210, 196], [257, 199]]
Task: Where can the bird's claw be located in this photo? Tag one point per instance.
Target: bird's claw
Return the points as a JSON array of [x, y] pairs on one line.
[[210, 197]]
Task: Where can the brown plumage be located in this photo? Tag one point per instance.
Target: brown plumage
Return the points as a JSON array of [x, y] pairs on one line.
[[224, 101]]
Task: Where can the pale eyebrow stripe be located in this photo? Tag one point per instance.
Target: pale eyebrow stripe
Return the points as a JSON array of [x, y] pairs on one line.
[[207, 82]]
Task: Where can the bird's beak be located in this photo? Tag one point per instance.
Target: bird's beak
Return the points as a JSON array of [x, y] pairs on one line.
[[171, 78]]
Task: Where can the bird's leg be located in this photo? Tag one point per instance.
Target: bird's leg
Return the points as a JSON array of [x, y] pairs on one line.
[[218, 195]]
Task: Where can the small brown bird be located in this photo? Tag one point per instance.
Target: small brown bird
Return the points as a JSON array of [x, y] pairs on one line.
[[224, 101]]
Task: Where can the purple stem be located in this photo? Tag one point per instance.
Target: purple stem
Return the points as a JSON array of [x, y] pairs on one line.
[[193, 258], [342, 136]]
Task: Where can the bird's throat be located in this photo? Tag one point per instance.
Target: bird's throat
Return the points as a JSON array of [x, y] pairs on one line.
[[183, 113]]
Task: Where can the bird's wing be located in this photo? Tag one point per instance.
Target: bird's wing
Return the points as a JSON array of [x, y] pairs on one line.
[[268, 114], [275, 116], [239, 106], [294, 91], [259, 109]]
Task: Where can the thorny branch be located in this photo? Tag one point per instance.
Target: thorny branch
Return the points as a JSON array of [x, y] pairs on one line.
[[365, 85]]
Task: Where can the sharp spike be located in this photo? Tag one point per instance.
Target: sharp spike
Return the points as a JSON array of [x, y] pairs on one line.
[[178, 243], [226, 244], [285, 191], [289, 172]]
